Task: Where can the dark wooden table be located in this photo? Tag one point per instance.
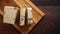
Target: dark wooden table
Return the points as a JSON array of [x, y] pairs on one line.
[[50, 24]]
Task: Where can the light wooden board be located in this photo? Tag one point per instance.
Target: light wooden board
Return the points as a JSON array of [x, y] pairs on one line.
[[37, 15]]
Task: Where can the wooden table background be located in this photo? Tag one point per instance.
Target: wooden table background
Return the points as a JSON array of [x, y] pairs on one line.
[[50, 24]]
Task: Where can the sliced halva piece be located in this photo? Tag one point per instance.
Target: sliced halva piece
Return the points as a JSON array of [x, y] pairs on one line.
[[29, 15], [22, 16]]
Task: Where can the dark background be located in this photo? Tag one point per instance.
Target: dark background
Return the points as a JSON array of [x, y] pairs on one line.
[[50, 24]]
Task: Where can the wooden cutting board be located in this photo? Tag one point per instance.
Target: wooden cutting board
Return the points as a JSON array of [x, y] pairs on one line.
[[37, 15]]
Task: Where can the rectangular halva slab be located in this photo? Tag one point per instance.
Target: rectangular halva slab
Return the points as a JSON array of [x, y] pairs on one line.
[[10, 14]]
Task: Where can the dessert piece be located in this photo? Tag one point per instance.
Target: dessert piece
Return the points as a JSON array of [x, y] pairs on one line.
[[10, 14], [22, 16], [29, 15]]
